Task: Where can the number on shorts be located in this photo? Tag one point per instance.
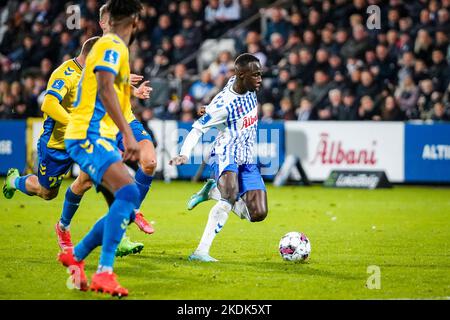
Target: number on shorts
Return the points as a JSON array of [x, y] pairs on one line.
[[105, 144]]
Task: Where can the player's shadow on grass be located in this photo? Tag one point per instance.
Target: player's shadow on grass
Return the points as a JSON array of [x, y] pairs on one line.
[[157, 262]]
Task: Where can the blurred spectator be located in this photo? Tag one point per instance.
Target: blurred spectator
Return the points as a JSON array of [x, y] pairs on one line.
[[162, 30], [407, 95], [267, 112], [286, 111], [423, 46], [276, 24], [439, 71], [191, 33], [332, 109], [357, 45], [202, 87], [390, 110], [319, 89], [367, 109], [222, 65], [304, 113], [348, 110], [425, 101], [439, 113]]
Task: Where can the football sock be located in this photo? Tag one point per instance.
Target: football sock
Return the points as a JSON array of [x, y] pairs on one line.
[[91, 241], [101, 269], [20, 184], [71, 204], [214, 194], [143, 182], [117, 220], [241, 210], [216, 220]]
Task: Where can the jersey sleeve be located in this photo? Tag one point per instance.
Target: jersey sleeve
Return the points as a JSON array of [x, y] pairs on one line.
[[58, 85], [216, 114], [107, 57]]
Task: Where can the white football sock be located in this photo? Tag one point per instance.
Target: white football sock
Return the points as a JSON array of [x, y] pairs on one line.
[[241, 210], [216, 220], [214, 194]]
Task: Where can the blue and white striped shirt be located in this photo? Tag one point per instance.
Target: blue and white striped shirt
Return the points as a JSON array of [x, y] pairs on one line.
[[236, 117]]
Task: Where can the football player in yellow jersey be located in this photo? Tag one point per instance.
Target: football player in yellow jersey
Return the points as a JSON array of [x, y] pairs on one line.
[[98, 115], [147, 160], [54, 161], [143, 177]]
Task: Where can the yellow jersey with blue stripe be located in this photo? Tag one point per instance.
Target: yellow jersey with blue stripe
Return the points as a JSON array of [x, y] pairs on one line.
[[89, 116], [63, 85]]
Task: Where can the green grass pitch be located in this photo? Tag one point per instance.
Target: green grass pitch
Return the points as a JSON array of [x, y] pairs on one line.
[[405, 231]]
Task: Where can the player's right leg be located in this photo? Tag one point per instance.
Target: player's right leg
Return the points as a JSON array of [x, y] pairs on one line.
[[102, 161], [228, 187], [73, 196]]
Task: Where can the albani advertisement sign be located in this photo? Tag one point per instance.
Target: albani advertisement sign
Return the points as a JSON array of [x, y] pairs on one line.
[[325, 146]]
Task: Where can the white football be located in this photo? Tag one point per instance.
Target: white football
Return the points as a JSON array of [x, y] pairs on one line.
[[295, 246]]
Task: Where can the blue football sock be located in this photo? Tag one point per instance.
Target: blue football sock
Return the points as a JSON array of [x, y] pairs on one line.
[[71, 204], [20, 184], [116, 222], [143, 182], [91, 241]]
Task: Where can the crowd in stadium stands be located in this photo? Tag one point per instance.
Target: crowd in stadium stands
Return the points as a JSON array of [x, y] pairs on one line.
[[320, 60]]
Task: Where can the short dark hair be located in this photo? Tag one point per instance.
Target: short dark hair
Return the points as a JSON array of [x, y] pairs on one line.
[[244, 59], [119, 9]]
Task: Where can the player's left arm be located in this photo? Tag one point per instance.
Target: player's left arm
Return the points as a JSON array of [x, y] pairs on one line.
[[189, 143], [54, 110], [57, 89], [215, 114]]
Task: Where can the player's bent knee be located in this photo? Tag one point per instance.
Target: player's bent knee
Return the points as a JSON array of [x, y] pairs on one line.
[[86, 185], [258, 214], [49, 194], [148, 166], [82, 186]]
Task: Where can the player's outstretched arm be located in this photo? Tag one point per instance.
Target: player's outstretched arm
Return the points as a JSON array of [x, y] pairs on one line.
[[108, 96], [188, 145], [54, 110]]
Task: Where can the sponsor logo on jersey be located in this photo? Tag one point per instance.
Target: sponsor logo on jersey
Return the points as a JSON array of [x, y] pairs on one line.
[[204, 120], [111, 56], [249, 121], [58, 84]]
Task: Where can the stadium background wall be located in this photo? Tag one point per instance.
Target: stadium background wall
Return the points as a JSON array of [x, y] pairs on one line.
[[407, 152]]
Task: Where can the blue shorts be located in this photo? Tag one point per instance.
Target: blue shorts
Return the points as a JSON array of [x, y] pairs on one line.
[[249, 177], [139, 134], [94, 155], [53, 165]]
